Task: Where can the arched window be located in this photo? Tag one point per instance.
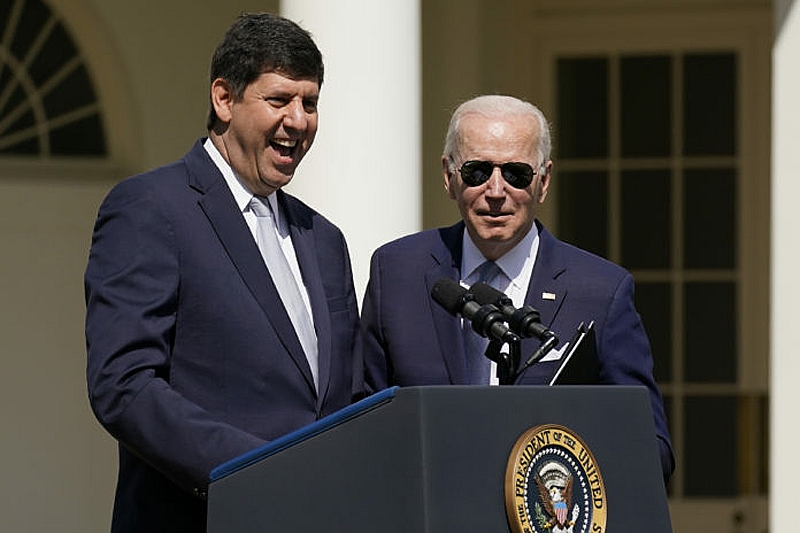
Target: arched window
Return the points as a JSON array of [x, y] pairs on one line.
[[48, 105]]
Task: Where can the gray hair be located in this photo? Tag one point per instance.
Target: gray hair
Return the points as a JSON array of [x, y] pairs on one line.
[[497, 106]]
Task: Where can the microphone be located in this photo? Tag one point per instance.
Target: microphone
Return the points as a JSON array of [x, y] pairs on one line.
[[487, 320], [524, 321]]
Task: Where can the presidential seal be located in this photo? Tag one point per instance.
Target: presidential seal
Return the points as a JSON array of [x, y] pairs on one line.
[[553, 484]]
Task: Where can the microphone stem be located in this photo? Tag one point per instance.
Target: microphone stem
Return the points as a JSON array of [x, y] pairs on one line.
[[507, 363], [540, 352]]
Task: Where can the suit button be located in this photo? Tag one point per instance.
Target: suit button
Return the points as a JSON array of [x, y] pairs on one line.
[[199, 493]]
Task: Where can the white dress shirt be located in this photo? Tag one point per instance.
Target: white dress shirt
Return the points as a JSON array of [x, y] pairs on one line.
[[516, 265]]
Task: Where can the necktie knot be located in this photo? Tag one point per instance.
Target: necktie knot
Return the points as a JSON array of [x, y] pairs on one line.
[[488, 272], [260, 207]]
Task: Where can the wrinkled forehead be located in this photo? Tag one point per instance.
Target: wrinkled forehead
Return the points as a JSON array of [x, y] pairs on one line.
[[499, 139]]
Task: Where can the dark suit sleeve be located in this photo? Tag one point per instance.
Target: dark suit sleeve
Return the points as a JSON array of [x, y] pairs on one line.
[[626, 360], [132, 292], [376, 371]]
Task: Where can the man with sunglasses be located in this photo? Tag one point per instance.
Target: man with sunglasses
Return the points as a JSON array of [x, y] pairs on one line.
[[496, 167]]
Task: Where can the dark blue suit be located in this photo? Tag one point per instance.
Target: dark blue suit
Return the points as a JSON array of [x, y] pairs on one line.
[[192, 359], [411, 340]]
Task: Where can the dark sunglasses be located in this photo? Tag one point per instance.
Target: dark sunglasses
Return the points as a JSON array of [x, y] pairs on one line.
[[518, 175]]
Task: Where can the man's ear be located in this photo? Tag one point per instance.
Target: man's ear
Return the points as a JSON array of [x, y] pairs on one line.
[[222, 99], [448, 178], [544, 182]]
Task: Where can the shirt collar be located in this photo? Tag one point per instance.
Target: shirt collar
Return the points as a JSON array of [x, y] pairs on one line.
[[516, 264], [242, 194]]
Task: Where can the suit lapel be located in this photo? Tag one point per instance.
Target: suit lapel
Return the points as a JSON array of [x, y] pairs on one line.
[[447, 264], [225, 217], [547, 290]]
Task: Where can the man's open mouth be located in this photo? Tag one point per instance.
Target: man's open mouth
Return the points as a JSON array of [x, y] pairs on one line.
[[285, 147]]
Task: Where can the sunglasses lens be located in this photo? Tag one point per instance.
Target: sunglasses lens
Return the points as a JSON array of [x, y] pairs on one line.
[[518, 175], [475, 173]]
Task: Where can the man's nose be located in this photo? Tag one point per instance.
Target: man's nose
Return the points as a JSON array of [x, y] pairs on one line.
[[295, 116], [496, 184]]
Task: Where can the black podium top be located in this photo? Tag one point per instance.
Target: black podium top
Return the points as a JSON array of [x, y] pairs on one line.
[[439, 459]]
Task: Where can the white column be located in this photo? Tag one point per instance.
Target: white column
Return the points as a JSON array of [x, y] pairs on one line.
[[785, 350], [363, 172]]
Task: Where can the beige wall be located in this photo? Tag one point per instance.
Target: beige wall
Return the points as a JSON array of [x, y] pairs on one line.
[[160, 52], [57, 464]]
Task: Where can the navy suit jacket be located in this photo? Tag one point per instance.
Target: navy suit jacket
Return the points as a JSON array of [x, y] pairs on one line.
[[192, 359], [411, 340]]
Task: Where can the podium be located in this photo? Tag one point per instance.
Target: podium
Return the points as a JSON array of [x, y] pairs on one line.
[[441, 459]]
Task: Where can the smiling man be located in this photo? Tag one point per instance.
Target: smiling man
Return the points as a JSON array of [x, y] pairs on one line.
[[496, 166], [221, 312]]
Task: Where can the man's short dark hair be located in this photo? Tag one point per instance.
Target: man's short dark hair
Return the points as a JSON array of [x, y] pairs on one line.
[[262, 42]]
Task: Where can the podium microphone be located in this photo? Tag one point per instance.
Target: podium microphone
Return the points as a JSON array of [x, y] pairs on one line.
[[524, 321], [487, 320]]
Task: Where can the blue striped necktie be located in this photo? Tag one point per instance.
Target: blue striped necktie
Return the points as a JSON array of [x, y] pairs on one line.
[[475, 345]]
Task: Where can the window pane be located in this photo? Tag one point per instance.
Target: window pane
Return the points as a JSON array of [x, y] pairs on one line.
[[44, 52], [583, 210], [709, 94], [23, 135], [582, 108], [710, 218], [5, 14], [14, 100], [646, 106], [71, 93], [710, 332], [31, 21], [710, 449], [57, 50], [83, 137], [763, 443], [646, 219], [654, 303], [28, 146], [5, 77]]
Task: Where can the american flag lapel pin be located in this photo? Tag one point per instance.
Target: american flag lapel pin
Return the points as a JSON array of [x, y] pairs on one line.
[[548, 296]]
